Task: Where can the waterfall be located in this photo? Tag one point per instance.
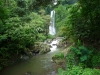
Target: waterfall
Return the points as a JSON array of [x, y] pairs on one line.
[[52, 29]]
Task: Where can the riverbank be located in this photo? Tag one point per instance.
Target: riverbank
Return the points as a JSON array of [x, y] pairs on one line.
[[40, 64]]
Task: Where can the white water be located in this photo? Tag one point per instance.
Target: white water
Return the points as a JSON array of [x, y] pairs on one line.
[[55, 2], [52, 29], [54, 45]]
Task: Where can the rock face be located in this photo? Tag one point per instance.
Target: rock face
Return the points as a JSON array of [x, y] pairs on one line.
[[48, 41], [23, 57], [27, 73], [62, 44], [44, 48], [40, 48]]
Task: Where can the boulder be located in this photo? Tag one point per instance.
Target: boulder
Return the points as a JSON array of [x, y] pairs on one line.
[[44, 48], [40, 48], [27, 73]]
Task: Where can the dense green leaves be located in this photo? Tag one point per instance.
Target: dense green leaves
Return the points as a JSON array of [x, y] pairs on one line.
[[76, 70], [20, 28], [81, 22], [82, 53]]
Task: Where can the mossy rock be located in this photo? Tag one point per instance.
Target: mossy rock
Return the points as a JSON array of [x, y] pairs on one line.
[[44, 48], [58, 58]]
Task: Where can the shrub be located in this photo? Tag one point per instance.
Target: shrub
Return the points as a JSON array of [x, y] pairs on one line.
[[77, 70], [82, 53], [58, 56], [96, 59]]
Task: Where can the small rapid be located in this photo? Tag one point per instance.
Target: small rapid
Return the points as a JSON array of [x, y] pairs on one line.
[[53, 45]]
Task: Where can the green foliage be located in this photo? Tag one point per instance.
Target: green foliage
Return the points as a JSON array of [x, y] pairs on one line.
[[59, 55], [41, 37], [70, 60], [60, 18], [50, 36], [73, 26], [96, 59], [77, 70], [81, 24], [91, 14], [78, 43], [36, 3], [82, 53], [79, 21], [79, 55], [20, 28], [83, 57], [61, 71]]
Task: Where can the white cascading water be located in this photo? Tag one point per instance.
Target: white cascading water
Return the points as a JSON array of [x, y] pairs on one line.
[[52, 29], [54, 45]]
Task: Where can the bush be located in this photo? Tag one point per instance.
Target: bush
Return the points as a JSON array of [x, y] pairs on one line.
[[59, 55], [96, 59], [77, 70], [83, 54]]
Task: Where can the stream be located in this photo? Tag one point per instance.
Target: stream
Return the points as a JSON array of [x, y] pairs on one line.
[[37, 65]]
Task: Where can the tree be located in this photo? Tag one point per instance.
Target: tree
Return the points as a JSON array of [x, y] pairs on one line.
[[20, 28]]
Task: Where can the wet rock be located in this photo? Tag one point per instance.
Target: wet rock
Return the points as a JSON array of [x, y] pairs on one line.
[[40, 48], [44, 48], [35, 52], [50, 46], [63, 44], [24, 57], [54, 44], [26, 52], [48, 41], [27, 73]]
